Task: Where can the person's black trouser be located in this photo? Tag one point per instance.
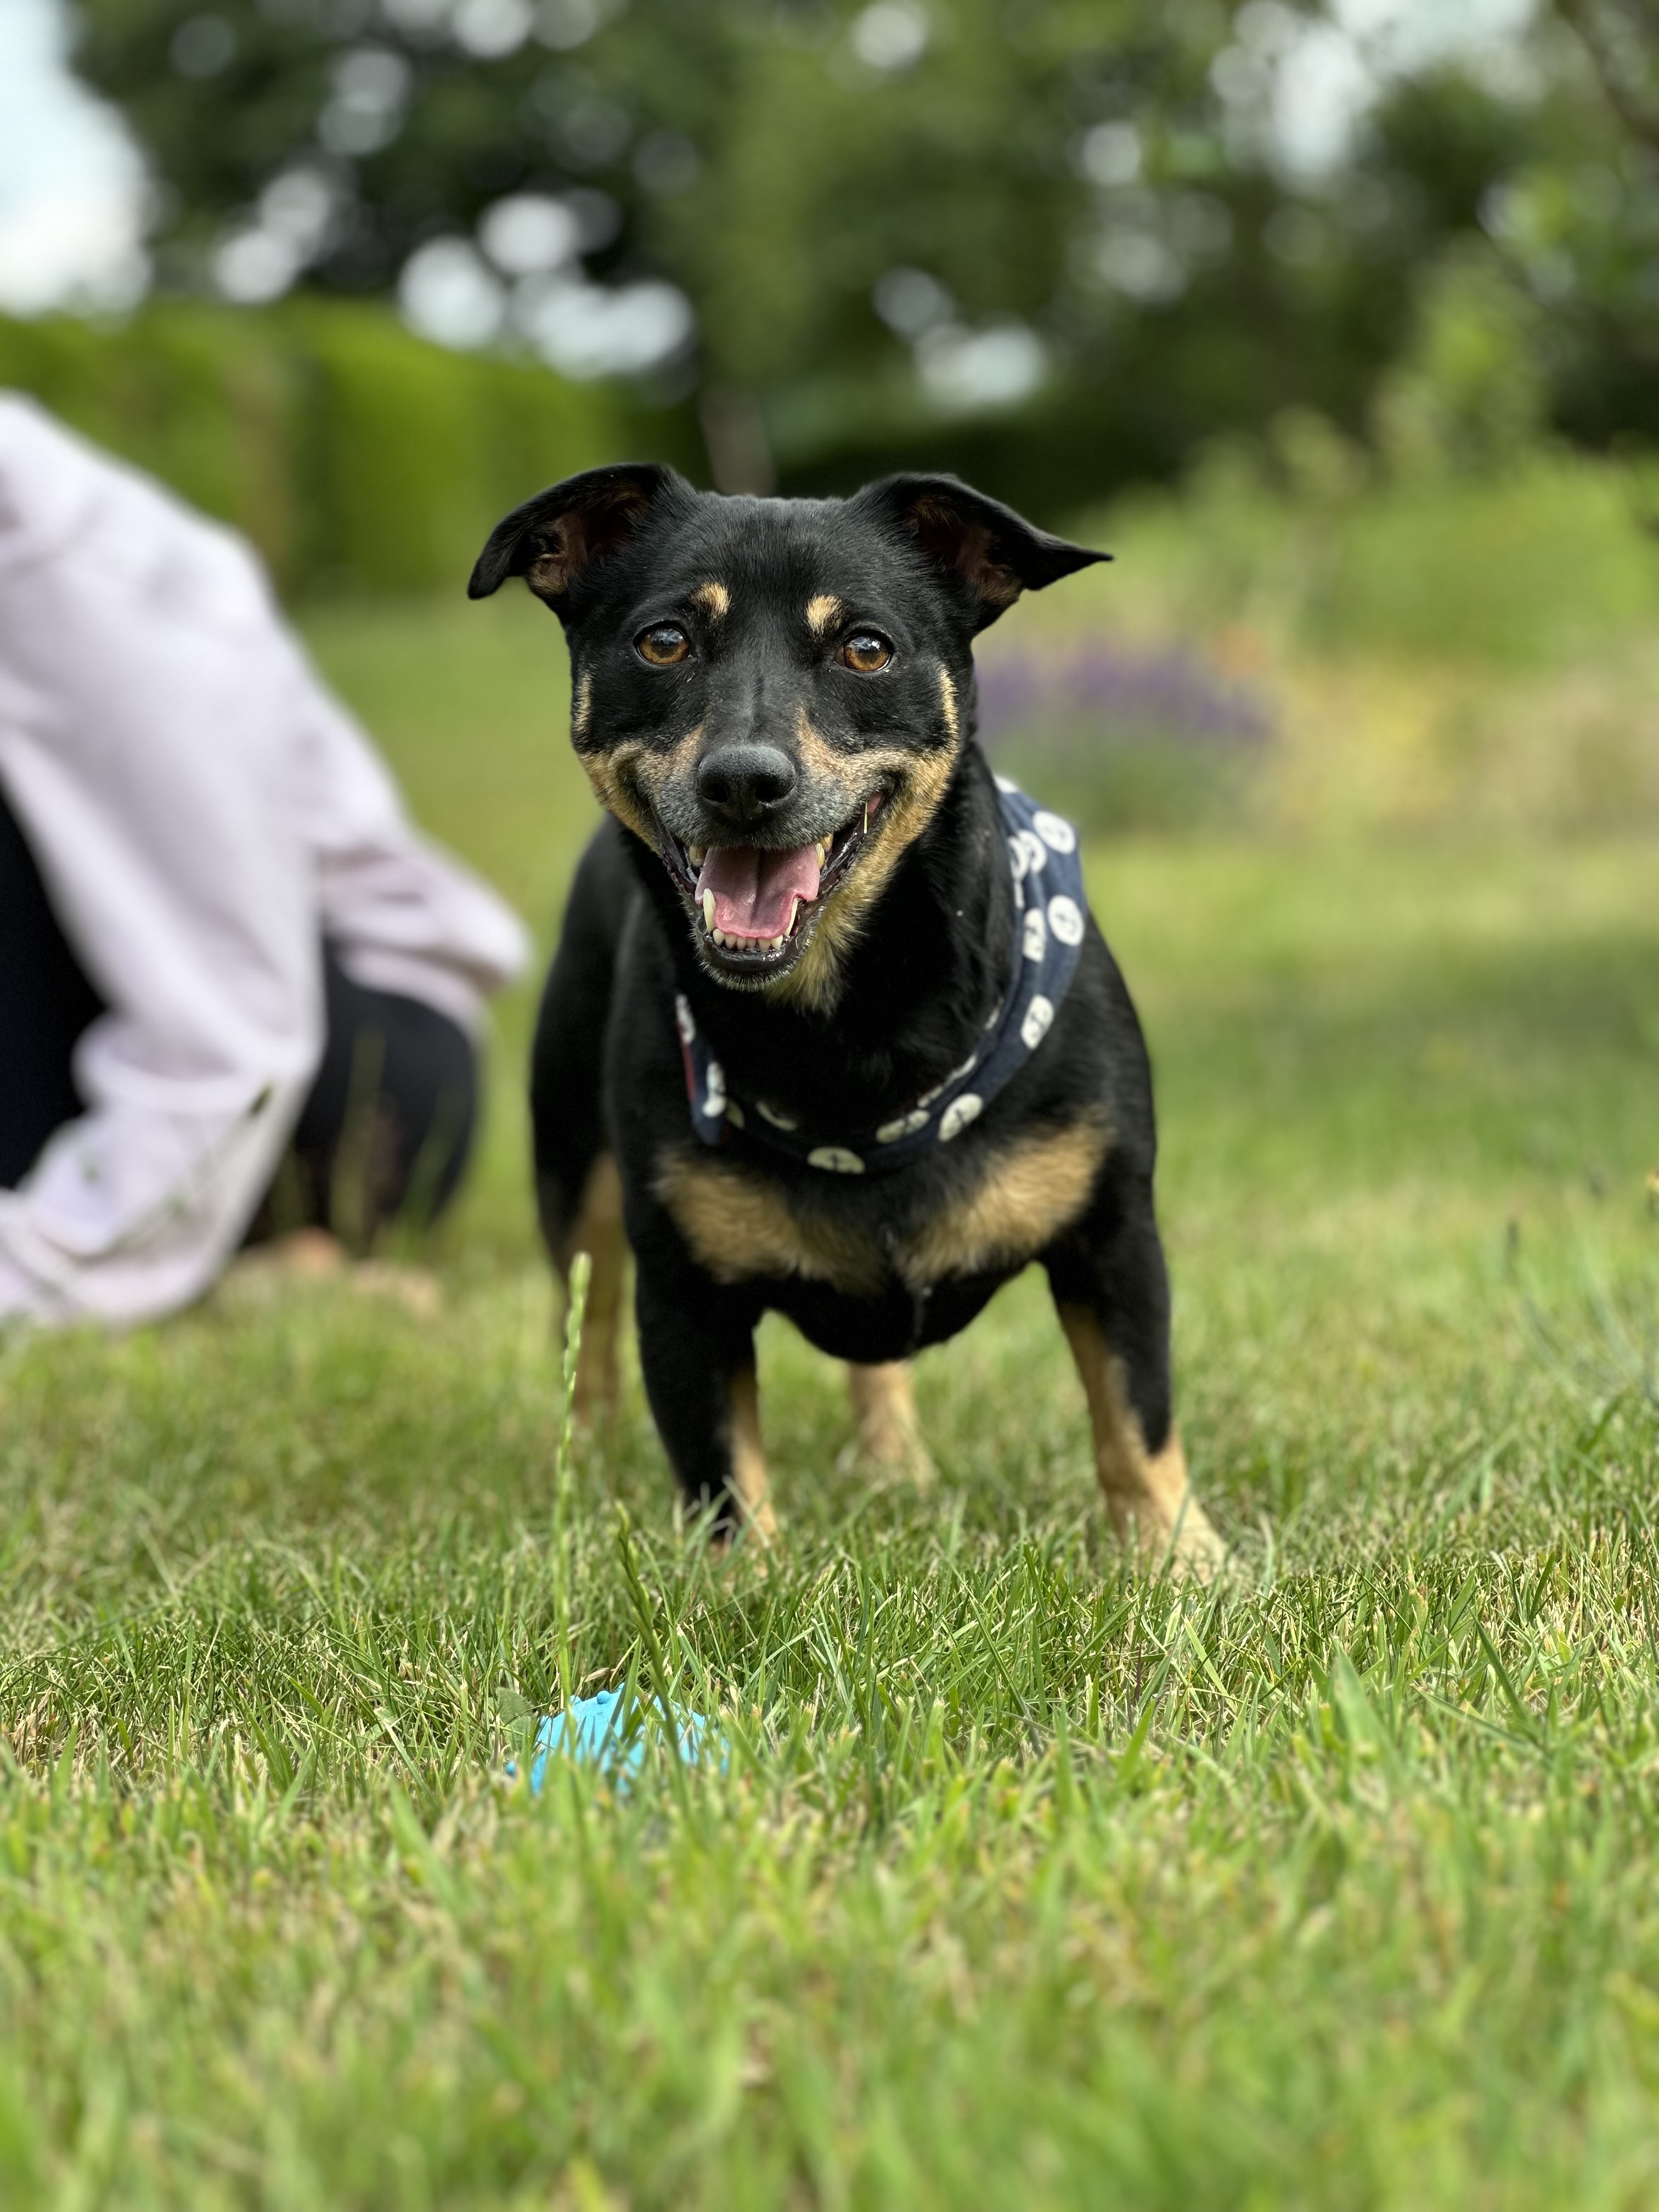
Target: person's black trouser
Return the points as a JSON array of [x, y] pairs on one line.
[[386, 1130]]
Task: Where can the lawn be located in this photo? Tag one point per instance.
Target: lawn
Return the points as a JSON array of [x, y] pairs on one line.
[[1024, 1882]]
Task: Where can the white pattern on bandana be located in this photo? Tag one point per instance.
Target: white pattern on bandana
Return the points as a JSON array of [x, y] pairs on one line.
[[1039, 1020], [1065, 920]]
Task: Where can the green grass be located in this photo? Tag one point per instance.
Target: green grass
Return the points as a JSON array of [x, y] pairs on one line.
[[1027, 1883]]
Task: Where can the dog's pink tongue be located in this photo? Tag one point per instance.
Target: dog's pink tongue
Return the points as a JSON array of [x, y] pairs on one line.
[[754, 891]]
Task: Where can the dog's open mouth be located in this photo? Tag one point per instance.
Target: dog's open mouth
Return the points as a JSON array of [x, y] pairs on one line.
[[754, 904]]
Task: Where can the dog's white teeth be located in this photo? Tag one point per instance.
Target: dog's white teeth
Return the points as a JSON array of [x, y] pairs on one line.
[[695, 854], [709, 912], [730, 944], [825, 844], [866, 818], [794, 909]]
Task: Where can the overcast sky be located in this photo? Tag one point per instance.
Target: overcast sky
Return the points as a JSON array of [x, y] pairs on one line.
[[70, 183], [71, 186]]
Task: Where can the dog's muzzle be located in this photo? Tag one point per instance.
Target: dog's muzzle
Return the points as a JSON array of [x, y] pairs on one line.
[[754, 905]]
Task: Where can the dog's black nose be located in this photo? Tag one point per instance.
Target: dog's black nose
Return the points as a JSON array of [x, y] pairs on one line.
[[745, 783]]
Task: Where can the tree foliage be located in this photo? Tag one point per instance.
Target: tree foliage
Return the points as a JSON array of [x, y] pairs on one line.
[[1062, 241]]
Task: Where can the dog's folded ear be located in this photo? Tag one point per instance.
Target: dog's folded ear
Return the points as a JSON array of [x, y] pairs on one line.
[[996, 553], [551, 538]]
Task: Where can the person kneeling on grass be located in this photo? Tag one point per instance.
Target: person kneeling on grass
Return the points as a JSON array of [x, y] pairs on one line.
[[238, 992]]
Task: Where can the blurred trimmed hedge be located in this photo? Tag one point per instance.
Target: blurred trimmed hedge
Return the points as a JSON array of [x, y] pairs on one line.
[[354, 455]]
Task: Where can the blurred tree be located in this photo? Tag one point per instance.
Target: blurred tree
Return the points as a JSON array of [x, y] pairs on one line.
[[842, 194], [1577, 221], [1621, 40], [1056, 242], [1469, 392]]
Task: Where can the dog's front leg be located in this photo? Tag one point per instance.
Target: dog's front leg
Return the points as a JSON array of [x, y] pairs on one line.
[[1112, 1293], [697, 1356], [1146, 1485]]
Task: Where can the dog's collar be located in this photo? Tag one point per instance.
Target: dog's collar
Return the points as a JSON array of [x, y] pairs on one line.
[[1049, 916]]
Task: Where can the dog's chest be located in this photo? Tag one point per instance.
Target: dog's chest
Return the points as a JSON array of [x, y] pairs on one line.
[[744, 1225]]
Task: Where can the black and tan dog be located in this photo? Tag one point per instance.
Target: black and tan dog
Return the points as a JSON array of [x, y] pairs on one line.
[[789, 951]]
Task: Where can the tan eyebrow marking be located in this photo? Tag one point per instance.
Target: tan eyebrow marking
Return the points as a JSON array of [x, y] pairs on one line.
[[947, 692], [714, 598], [822, 612]]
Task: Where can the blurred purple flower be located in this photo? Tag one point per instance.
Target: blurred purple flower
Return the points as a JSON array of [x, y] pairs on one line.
[[1118, 691]]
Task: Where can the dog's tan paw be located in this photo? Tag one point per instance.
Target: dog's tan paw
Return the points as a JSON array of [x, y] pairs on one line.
[[887, 1435], [1194, 1549]]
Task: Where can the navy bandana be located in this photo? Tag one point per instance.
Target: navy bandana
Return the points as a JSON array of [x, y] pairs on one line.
[[1049, 911]]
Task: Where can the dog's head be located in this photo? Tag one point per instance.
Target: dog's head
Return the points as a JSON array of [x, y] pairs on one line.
[[772, 694]]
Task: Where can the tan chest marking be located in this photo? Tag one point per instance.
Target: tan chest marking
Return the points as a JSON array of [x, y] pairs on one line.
[[740, 1226], [1030, 1192]]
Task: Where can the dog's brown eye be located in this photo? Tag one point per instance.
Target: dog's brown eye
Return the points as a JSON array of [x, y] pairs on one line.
[[662, 645], [866, 650]]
